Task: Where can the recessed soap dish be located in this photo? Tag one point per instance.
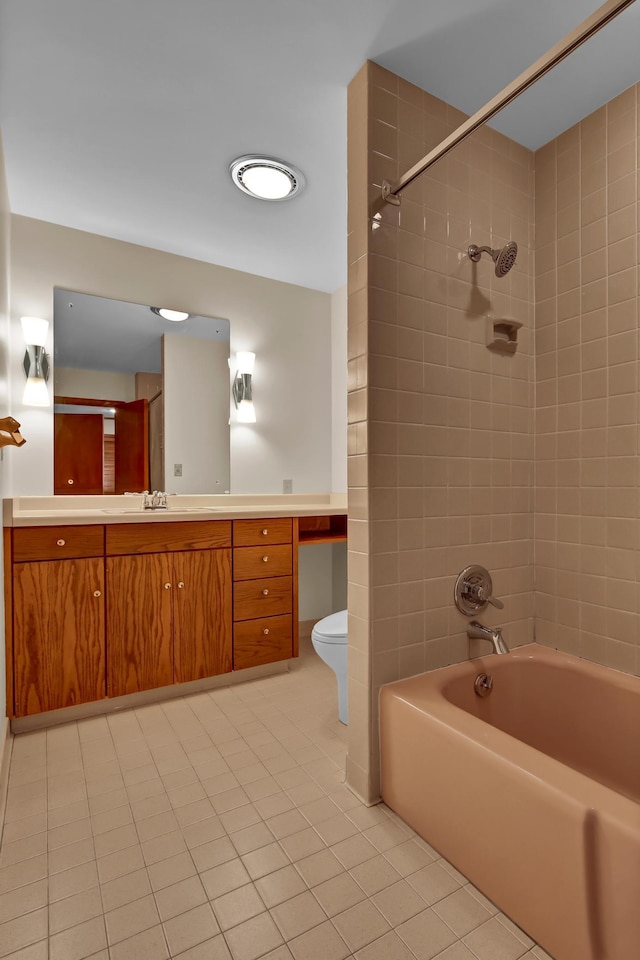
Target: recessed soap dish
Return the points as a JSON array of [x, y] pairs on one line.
[[502, 335]]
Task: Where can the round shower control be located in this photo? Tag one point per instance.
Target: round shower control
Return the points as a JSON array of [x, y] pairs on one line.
[[473, 590]]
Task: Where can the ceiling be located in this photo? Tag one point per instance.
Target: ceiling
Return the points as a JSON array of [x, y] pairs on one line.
[[121, 117]]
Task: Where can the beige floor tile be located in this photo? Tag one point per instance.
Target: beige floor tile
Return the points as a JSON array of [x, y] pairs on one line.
[[387, 947], [22, 931], [385, 835], [108, 801], [374, 875], [69, 833], [39, 951], [159, 825], [161, 848], [399, 902], [273, 805], [24, 828], [69, 814], [354, 850], [265, 860], [131, 918], [15, 903], [515, 930], [114, 840], [150, 806], [210, 854], [338, 894], [433, 883], [150, 945], [253, 939], [360, 925], [172, 870], [203, 831], [408, 858], [224, 878], [76, 909], [17, 850], [319, 867], [79, 942], [426, 935], [180, 897], [102, 822], [321, 943], [280, 886], [72, 881], [260, 789], [71, 856], [457, 951], [118, 864], [240, 818], [462, 912], [296, 916], [297, 846], [492, 941], [319, 810], [133, 886], [195, 812], [214, 949], [191, 928], [237, 906], [251, 838], [229, 800], [286, 824]]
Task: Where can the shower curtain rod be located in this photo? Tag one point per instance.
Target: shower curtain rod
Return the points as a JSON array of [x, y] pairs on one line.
[[602, 16]]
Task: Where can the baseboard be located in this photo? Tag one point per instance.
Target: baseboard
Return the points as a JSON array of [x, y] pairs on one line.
[[6, 744], [305, 627]]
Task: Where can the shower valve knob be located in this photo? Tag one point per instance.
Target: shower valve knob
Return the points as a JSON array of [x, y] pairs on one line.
[[474, 590]]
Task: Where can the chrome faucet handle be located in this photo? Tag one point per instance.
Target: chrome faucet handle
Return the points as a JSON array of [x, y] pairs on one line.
[[474, 590]]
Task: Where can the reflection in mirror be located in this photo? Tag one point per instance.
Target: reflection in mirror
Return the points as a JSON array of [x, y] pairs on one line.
[[140, 402]]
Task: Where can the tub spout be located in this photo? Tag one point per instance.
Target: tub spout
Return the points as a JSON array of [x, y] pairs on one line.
[[476, 631]]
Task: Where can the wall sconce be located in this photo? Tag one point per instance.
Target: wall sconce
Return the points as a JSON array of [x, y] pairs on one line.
[[36, 364], [242, 395]]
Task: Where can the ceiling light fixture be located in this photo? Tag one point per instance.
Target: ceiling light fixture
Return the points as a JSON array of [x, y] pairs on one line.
[[266, 177], [175, 315]]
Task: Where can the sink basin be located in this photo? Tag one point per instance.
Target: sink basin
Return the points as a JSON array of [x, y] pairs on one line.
[[116, 511]]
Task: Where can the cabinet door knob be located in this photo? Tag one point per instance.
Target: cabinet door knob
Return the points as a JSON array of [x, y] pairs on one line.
[[264, 559], [70, 482], [167, 586], [266, 631], [265, 532], [265, 592], [61, 543], [180, 584], [97, 593]]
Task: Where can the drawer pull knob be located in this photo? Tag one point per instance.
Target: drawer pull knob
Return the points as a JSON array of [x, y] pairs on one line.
[[70, 482], [265, 592], [167, 586], [266, 631], [97, 593], [61, 543], [180, 584], [265, 532], [264, 559]]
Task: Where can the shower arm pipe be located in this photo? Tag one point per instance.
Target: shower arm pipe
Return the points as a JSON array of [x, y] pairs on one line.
[[602, 16]]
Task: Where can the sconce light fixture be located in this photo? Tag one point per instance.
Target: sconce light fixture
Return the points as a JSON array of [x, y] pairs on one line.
[[36, 364], [242, 394]]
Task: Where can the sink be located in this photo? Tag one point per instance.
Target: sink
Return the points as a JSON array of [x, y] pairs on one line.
[[117, 511]]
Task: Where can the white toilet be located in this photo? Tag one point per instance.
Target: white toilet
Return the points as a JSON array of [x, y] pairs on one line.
[[329, 639]]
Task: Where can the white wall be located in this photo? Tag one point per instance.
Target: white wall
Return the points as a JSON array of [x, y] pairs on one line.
[[195, 394], [288, 328], [95, 384], [339, 390]]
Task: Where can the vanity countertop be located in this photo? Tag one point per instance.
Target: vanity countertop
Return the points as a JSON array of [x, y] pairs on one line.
[[49, 511]]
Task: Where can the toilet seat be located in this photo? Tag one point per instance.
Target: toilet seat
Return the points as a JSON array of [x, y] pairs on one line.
[[333, 629]]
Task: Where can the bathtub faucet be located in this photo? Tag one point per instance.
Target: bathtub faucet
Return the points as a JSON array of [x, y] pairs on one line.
[[475, 631]]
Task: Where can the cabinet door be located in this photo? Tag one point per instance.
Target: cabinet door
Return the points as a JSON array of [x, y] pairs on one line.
[[58, 631], [202, 614], [139, 650]]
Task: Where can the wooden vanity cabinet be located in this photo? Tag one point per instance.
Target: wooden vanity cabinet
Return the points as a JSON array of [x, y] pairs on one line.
[[169, 604], [264, 592], [57, 617]]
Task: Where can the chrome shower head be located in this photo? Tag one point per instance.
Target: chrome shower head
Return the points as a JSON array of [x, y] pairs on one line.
[[504, 259]]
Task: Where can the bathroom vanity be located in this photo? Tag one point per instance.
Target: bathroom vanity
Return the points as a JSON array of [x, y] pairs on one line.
[[105, 600]]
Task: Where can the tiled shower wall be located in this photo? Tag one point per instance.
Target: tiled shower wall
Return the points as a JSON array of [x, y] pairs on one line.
[[440, 427], [586, 509]]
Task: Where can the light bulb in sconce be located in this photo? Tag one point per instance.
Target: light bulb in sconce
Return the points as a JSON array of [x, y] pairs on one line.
[[36, 364], [242, 387]]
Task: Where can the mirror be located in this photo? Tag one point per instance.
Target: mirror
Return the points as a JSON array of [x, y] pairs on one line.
[[140, 401]]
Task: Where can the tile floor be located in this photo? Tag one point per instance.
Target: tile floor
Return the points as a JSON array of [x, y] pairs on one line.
[[217, 827]]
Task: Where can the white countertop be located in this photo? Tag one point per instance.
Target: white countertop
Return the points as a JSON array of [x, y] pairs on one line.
[[48, 511]]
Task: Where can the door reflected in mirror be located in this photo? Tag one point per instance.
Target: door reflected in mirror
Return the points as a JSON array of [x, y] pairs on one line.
[[141, 402]]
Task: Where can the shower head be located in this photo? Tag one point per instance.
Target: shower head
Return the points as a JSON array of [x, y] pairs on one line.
[[504, 259]]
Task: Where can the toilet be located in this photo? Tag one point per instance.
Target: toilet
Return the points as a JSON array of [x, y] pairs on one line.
[[329, 639]]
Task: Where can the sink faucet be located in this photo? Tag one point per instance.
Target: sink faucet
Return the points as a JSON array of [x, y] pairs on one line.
[[154, 501], [476, 631]]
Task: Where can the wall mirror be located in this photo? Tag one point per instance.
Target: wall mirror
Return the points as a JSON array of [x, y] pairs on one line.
[[140, 401]]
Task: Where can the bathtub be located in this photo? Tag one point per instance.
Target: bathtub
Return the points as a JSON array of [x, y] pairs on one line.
[[533, 792]]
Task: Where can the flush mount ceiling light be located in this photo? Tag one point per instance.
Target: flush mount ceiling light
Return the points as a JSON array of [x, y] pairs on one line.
[[175, 315], [266, 178]]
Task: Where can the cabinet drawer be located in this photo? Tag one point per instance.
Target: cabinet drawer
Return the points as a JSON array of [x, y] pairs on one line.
[[150, 537], [262, 641], [262, 598], [251, 563], [57, 543], [249, 533]]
